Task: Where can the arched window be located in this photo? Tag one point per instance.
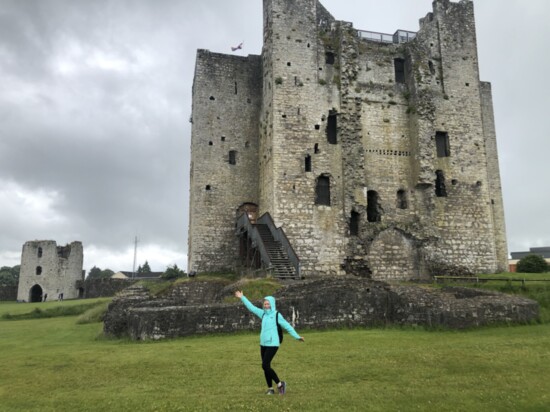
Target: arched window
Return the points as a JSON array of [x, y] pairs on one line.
[[440, 190], [39, 270], [354, 223], [402, 202], [39, 252], [322, 191], [232, 157], [332, 136], [373, 207]]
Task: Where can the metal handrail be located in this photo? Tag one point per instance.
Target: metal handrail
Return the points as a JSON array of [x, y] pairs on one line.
[[280, 236], [243, 222], [400, 36]]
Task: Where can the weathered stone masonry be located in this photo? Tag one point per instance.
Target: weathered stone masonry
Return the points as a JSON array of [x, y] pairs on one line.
[[196, 308], [401, 132]]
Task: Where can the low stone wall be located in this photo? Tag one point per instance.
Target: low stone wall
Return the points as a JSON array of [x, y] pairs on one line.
[[98, 288], [8, 293], [314, 304]]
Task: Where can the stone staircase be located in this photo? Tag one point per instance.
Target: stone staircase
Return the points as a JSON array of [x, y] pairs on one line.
[[282, 268]]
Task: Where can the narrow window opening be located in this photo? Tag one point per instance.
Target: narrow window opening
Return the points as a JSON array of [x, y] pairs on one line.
[[478, 183], [373, 207], [492, 201], [354, 223], [207, 187], [440, 189], [317, 127], [308, 45], [246, 144], [399, 65], [248, 101], [223, 138], [232, 157], [210, 143], [235, 87], [39, 252], [329, 58], [402, 202], [454, 182], [212, 98], [467, 84], [332, 137], [322, 191], [316, 148], [288, 64], [39, 270], [308, 163], [442, 144]]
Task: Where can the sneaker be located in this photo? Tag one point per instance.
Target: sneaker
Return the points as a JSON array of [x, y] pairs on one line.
[[282, 388], [270, 391]]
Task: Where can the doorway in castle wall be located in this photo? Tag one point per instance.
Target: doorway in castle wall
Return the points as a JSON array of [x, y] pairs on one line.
[[35, 294], [80, 293], [251, 209]]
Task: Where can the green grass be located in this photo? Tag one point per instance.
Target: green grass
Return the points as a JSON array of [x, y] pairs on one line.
[[56, 365]]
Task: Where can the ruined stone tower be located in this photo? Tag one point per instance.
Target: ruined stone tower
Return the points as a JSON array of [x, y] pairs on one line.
[[50, 269], [345, 151]]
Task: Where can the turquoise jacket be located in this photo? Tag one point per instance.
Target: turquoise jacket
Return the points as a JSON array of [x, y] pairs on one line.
[[269, 335]]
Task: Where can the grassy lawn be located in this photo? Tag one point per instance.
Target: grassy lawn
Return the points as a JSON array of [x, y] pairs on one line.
[[56, 365]]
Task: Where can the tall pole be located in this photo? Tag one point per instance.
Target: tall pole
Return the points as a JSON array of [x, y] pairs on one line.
[[135, 256]]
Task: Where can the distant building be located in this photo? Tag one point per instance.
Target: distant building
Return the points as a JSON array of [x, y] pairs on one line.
[[516, 256], [50, 270], [135, 275]]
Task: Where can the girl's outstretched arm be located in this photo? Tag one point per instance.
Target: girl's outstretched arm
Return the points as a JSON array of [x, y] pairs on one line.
[[255, 310]]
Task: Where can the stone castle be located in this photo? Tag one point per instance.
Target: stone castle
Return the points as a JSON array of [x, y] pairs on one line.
[[50, 269], [342, 151]]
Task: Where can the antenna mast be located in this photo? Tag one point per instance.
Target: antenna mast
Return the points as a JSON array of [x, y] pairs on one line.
[[135, 256]]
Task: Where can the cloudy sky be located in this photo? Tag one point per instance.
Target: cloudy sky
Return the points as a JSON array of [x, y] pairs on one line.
[[95, 100]]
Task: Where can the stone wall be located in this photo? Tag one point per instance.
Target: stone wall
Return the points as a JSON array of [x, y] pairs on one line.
[[316, 304], [98, 288], [8, 293]]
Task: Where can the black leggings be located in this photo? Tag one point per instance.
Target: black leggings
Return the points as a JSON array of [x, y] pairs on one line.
[[268, 353]]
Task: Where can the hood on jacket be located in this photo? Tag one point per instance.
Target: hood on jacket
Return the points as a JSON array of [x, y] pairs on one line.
[[271, 301]]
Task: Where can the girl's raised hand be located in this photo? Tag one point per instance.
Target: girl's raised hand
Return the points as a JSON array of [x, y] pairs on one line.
[[238, 294]]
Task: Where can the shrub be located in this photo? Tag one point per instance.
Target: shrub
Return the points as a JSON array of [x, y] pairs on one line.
[[532, 264]]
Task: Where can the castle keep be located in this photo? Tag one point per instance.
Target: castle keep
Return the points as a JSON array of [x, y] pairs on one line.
[[50, 269], [341, 151]]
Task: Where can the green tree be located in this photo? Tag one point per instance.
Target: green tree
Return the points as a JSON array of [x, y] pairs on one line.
[[107, 273], [532, 264], [145, 268], [7, 278], [9, 275], [97, 273], [173, 272]]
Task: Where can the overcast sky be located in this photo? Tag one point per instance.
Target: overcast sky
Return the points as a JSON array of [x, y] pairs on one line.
[[95, 100]]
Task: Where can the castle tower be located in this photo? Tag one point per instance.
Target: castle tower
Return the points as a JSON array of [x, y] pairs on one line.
[[301, 181], [49, 269], [375, 154], [227, 93]]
